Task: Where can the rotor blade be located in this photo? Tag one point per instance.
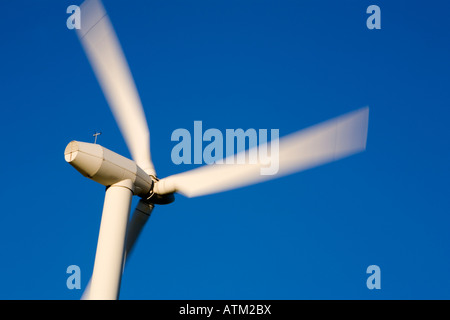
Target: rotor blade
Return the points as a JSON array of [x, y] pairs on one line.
[[138, 220], [111, 69], [328, 141]]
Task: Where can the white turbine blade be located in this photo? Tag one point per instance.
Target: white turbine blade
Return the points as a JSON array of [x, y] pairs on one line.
[[326, 142], [111, 69], [138, 220]]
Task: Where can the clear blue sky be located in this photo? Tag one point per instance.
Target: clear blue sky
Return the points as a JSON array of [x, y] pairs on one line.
[[235, 64]]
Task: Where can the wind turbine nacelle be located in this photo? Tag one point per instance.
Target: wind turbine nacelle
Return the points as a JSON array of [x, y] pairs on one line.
[[106, 167]]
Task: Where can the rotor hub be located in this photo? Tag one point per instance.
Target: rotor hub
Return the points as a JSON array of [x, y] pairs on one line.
[[156, 198]]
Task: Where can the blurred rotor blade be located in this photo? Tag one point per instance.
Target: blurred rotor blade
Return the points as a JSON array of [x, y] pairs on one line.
[[111, 69], [326, 142], [138, 220]]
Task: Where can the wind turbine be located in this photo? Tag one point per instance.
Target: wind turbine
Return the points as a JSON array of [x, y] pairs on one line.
[[328, 141]]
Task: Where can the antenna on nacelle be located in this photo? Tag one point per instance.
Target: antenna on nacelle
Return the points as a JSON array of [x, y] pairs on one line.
[[95, 136]]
